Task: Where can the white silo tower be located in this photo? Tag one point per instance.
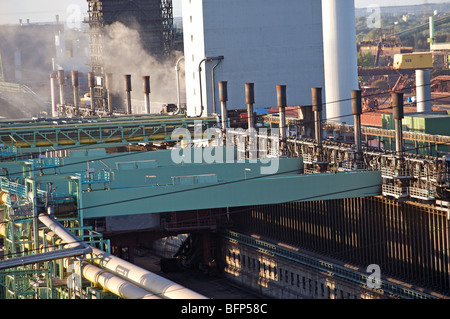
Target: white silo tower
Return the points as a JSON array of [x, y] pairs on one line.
[[340, 58]]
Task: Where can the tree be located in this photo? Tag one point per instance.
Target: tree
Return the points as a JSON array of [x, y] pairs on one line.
[[366, 60], [380, 84]]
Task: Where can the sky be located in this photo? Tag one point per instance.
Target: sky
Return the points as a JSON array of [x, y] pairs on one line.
[[46, 10]]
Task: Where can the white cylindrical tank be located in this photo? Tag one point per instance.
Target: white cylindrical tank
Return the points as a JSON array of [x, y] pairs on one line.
[[423, 89], [340, 58]]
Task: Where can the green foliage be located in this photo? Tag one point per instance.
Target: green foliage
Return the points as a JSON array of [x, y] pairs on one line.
[[380, 84], [366, 60]]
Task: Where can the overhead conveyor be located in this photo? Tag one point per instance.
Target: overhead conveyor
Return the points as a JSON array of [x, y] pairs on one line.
[[60, 133]]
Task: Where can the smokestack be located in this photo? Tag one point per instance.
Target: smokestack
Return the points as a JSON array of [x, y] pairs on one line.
[[357, 111], [340, 58], [61, 81], [306, 114], [75, 90], [250, 100], [281, 103], [108, 83], [317, 109], [127, 78], [146, 85], [53, 77], [397, 105], [223, 97], [91, 83], [423, 89]]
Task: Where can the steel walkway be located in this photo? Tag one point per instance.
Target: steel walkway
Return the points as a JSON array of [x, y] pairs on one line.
[[59, 133]]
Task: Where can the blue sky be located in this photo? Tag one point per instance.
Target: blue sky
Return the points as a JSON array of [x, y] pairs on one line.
[[46, 10]]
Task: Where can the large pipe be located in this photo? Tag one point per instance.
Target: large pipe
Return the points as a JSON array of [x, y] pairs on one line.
[[75, 90], [397, 105], [136, 283], [146, 86], [317, 109], [423, 89], [281, 103], [340, 58], [61, 81], [108, 86], [142, 278], [127, 78], [177, 69], [53, 77], [91, 83], [207, 59], [223, 97], [250, 100], [357, 111], [111, 282], [76, 247]]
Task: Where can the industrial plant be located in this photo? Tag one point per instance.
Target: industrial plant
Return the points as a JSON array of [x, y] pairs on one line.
[[279, 150]]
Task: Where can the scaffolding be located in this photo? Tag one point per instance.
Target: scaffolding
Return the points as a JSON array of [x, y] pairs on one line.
[[23, 236], [152, 18]]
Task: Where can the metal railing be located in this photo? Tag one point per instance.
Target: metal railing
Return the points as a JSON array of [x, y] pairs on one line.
[[94, 177], [421, 193], [394, 191], [387, 172]]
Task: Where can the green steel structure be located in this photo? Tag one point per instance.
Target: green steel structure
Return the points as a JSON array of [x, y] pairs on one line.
[[88, 183], [60, 133]]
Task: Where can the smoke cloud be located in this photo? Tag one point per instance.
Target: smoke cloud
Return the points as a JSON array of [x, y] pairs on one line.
[[124, 53]]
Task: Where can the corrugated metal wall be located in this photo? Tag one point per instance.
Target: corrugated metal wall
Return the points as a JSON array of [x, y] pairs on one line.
[[409, 241]]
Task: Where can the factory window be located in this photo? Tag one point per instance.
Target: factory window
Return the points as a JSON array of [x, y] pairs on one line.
[[298, 280], [190, 18], [281, 274], [192, 40], [248, 259], [275, 274], [243, 260], [304, 282], [292, 278], [287, 276], [322, 290]]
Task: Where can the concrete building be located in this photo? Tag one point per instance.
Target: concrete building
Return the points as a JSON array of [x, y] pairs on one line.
[[267, 43]]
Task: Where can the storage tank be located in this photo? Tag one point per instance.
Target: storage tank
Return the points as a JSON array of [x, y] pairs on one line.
[[340, 58]]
